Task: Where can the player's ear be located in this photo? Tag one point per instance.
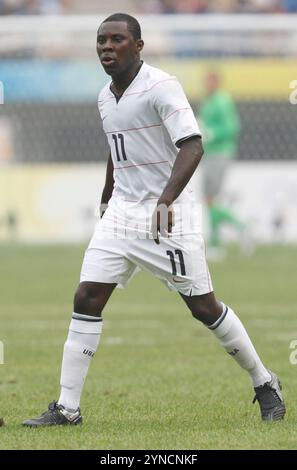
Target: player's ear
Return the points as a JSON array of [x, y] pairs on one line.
[[139, 45]]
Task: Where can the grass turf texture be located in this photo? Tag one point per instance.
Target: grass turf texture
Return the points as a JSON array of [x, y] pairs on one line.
[[159, 379]]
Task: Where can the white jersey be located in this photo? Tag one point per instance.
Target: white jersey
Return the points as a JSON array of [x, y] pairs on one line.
[[143, 130]]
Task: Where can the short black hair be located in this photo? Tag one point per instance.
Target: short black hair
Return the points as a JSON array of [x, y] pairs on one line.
[[132, 24]]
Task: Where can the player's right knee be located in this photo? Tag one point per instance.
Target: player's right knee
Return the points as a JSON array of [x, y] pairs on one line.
[[85, 302], [80, 298]]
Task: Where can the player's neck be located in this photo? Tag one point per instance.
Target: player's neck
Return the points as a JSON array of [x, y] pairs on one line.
[[121, 82]]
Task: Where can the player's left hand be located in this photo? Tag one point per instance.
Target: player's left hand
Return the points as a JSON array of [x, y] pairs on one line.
[[162, 221]]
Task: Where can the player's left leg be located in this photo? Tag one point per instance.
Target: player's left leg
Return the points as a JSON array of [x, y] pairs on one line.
[[231, 334]]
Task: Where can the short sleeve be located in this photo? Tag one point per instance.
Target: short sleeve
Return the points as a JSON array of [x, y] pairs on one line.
[[175, 111]]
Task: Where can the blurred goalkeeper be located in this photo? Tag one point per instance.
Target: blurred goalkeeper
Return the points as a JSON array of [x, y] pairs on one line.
[[155, 147], [221, 127]]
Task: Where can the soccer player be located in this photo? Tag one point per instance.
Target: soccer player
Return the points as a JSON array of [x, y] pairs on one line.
[[155, 147], [221, 126]]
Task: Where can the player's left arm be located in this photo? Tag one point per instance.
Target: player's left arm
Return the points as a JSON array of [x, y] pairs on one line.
[[174, 110], [187, 160]]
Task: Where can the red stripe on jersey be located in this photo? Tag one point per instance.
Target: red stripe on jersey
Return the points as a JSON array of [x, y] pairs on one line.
[[176, 111], [137, 92], [139, 164], [106, 99], [148, 89], [137, 200], [135, 128]]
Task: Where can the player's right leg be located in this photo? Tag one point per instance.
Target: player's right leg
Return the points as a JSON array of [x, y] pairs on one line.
[[79, 349], [105, 265]]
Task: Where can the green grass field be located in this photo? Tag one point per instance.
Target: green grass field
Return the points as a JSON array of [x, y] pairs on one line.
[[159, 379]]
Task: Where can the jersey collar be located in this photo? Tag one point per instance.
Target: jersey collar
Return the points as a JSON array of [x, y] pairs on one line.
[[138, 74]]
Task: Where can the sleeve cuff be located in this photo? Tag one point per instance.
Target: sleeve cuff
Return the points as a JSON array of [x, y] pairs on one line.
[[183, 139]]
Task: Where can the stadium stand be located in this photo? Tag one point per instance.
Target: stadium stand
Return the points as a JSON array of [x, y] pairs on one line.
[[25, 7]]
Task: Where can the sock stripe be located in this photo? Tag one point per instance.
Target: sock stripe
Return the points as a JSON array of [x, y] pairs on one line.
[[219, 321], [78, 316], [83, 333]]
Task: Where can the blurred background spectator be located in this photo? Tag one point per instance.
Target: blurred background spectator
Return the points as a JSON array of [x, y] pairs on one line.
[[21, 7], [18, 7], [220, 126], [34, 7]]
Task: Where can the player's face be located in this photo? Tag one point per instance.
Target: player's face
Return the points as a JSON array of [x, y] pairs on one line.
[[116, 47]]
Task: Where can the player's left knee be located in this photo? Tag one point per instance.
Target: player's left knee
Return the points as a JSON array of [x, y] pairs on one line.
[[206, 313], [202, 314]]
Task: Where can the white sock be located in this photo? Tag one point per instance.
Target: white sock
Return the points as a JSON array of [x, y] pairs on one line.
[[233, 337], [80, 347]]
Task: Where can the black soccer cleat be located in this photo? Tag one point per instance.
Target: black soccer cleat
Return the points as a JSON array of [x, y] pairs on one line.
[[270, 399], [55, 415]]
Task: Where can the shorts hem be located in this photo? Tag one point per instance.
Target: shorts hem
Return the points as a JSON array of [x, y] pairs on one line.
[[189, 291], [120, 283]]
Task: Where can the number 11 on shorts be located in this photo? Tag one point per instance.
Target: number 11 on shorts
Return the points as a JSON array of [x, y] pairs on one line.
[[173, 263]]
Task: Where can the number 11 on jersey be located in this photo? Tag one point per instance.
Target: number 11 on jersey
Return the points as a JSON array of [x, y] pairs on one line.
[[116, 139]]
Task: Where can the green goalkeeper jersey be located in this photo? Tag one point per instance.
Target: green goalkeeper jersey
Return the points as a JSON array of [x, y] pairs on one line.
[[221, 124]]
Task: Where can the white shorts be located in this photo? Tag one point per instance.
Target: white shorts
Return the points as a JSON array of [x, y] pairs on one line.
[[179, 262]]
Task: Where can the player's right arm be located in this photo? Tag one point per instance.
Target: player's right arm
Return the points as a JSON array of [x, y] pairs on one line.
[[108, 187]]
